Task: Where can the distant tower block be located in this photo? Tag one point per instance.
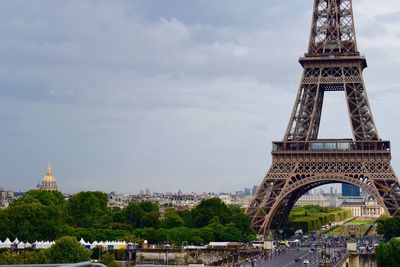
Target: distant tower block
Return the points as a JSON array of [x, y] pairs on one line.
[[49, 181]]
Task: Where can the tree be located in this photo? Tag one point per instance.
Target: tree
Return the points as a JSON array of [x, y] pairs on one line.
[[148, 206], [179, 235], [66, 250], [240, 220], [131, 214], [5, 224], [131, 238], [388, 254], [208, 209], [33, 222], [151, 219], [13, 257], [230, 233], [149, 234], [389, 227], [43, 197], [224, 233], [196, 240], [186, 215], [89, 209], [207, 234], [139, 215], [171, 219], [39, 214], [108, 259]]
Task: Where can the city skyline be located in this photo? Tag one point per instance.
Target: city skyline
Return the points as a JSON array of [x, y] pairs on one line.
[[145, 94], [147, 191]]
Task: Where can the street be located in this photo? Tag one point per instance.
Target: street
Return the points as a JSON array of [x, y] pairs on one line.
[[288, 259]]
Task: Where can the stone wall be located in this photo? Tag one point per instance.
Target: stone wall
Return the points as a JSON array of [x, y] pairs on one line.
[[210, 257]]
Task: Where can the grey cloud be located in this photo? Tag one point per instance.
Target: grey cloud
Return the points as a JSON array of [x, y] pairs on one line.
[[162, 94]]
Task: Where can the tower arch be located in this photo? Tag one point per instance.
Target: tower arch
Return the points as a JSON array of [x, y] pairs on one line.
[[278, 216]]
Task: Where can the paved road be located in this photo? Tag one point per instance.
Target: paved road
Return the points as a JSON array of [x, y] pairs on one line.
[[288, 259]]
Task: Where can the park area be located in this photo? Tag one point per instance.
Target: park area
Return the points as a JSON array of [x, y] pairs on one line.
[[357, 227]]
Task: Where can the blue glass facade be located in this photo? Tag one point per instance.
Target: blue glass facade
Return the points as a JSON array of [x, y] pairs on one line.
[[349, 190]]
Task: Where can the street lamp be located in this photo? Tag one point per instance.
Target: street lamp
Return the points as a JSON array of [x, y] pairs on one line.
[[280, 233], [306, 262], [131, 253], [166, 252]]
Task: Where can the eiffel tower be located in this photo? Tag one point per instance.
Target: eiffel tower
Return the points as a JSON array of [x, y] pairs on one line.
[[301, 161]]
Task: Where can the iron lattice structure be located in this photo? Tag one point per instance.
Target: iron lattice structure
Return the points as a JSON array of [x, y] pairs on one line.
[[301, 161]]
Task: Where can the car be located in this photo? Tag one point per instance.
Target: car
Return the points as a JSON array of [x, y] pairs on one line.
[[296, 259]]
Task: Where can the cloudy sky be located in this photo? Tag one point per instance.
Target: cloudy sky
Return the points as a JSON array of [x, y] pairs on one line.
[[169, 94]]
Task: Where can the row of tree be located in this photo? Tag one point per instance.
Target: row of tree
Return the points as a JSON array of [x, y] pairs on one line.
[[312, 217], [46, 215]]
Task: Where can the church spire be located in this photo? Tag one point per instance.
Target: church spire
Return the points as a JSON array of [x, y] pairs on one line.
[[49, 171]]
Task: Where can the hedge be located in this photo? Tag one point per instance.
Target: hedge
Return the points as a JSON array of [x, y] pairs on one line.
[[314, 221]]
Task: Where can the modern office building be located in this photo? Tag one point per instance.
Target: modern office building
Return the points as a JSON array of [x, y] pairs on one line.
[[349, 190]]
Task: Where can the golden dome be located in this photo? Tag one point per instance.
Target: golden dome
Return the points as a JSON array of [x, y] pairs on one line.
[[49, 178]]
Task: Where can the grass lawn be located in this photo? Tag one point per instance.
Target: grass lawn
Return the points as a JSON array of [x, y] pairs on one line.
[[360, 222]]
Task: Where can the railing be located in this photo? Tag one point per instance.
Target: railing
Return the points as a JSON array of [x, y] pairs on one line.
[[331, 145], [337, 54], [342, 261], [80, 264], [84, 264]]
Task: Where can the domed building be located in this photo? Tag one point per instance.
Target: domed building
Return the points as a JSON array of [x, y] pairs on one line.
[[49, 181]]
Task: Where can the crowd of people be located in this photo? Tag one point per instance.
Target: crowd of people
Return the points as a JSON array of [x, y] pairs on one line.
[[338, 255], [321, 241], [264, 256], [367, 244], [277, 251], [332, 248]]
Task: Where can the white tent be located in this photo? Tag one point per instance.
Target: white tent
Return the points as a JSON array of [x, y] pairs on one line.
[[27, 245], [48, 244], [6, 244], [43, 244], [94, 244], [38, 244], [84, 243]]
